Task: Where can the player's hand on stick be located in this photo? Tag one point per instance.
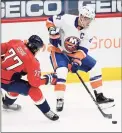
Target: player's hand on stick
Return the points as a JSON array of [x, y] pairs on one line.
[[51, 78], [75, 65]]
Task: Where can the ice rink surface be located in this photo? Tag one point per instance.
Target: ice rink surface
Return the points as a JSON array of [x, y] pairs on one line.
[[80, 114]]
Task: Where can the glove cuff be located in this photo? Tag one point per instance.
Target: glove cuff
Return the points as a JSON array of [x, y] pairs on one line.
[[45, 77], [77, 61]]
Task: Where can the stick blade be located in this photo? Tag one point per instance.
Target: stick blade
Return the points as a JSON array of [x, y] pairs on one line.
[[109, 116]]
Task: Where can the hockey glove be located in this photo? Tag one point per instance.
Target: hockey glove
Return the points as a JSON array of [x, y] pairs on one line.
[[51, 78], [53, 31], [75, 65], [54, 36]]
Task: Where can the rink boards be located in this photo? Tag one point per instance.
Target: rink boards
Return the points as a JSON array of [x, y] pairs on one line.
[[108, 75]]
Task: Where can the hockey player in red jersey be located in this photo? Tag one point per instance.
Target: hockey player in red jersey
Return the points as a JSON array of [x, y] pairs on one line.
[[71, 34], [19, 59]]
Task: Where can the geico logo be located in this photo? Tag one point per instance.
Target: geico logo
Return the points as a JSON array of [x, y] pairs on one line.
[[103, 6], [13, 9], [107, 43]]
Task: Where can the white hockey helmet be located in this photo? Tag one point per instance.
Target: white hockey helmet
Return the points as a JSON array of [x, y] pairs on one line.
[[87, 11]]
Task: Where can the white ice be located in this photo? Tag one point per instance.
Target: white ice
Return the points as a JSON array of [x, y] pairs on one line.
[[80, 114]]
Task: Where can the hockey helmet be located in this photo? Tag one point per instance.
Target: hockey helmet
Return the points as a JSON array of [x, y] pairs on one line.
[[87, 11], [34, 43]]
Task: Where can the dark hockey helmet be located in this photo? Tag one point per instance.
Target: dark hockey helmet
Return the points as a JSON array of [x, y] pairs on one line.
[[35, 43]]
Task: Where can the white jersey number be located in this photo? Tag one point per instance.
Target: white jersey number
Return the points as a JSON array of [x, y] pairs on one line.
[[17, 60]]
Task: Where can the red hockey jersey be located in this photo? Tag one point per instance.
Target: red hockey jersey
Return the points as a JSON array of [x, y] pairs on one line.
[[18, 58]]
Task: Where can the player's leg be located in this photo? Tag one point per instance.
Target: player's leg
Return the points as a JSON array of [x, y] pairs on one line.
[[12, 92], [22, 87], [42, 104], [60, 64], [8, 101], [9, 98], [90, 64]]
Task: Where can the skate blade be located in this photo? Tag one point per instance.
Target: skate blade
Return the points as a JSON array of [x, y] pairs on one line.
[[107, 105], [7, 110], [10, 110]]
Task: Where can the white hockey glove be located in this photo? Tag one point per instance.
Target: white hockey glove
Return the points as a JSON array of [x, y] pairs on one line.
[[51, 78], [54, 36], [53, 31]]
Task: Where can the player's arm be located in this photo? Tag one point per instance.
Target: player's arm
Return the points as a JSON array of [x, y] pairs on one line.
[[53, 25], [34, 75], [4, 48]]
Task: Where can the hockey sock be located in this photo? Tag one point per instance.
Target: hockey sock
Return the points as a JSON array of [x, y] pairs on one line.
[[60, 90], [98, 89], [44, 107], [96, 83], [37, 96]]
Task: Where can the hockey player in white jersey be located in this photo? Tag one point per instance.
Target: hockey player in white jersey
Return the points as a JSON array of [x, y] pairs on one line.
[[71, 34]]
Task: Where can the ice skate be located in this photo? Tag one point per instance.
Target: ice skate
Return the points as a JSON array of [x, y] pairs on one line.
[[52, 116], [13, 107], [60, 104], [104, 101]]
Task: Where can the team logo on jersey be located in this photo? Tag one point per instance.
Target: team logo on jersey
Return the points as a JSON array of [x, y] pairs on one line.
[[71, 43]]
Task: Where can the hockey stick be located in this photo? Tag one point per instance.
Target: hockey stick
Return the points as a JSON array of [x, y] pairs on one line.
[[109, 116], [103, 108]]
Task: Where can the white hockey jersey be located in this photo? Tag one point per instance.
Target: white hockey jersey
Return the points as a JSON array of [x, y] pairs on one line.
[[70, 33]]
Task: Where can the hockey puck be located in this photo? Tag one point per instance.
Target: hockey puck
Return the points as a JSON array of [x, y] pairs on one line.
[[114, 122]]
